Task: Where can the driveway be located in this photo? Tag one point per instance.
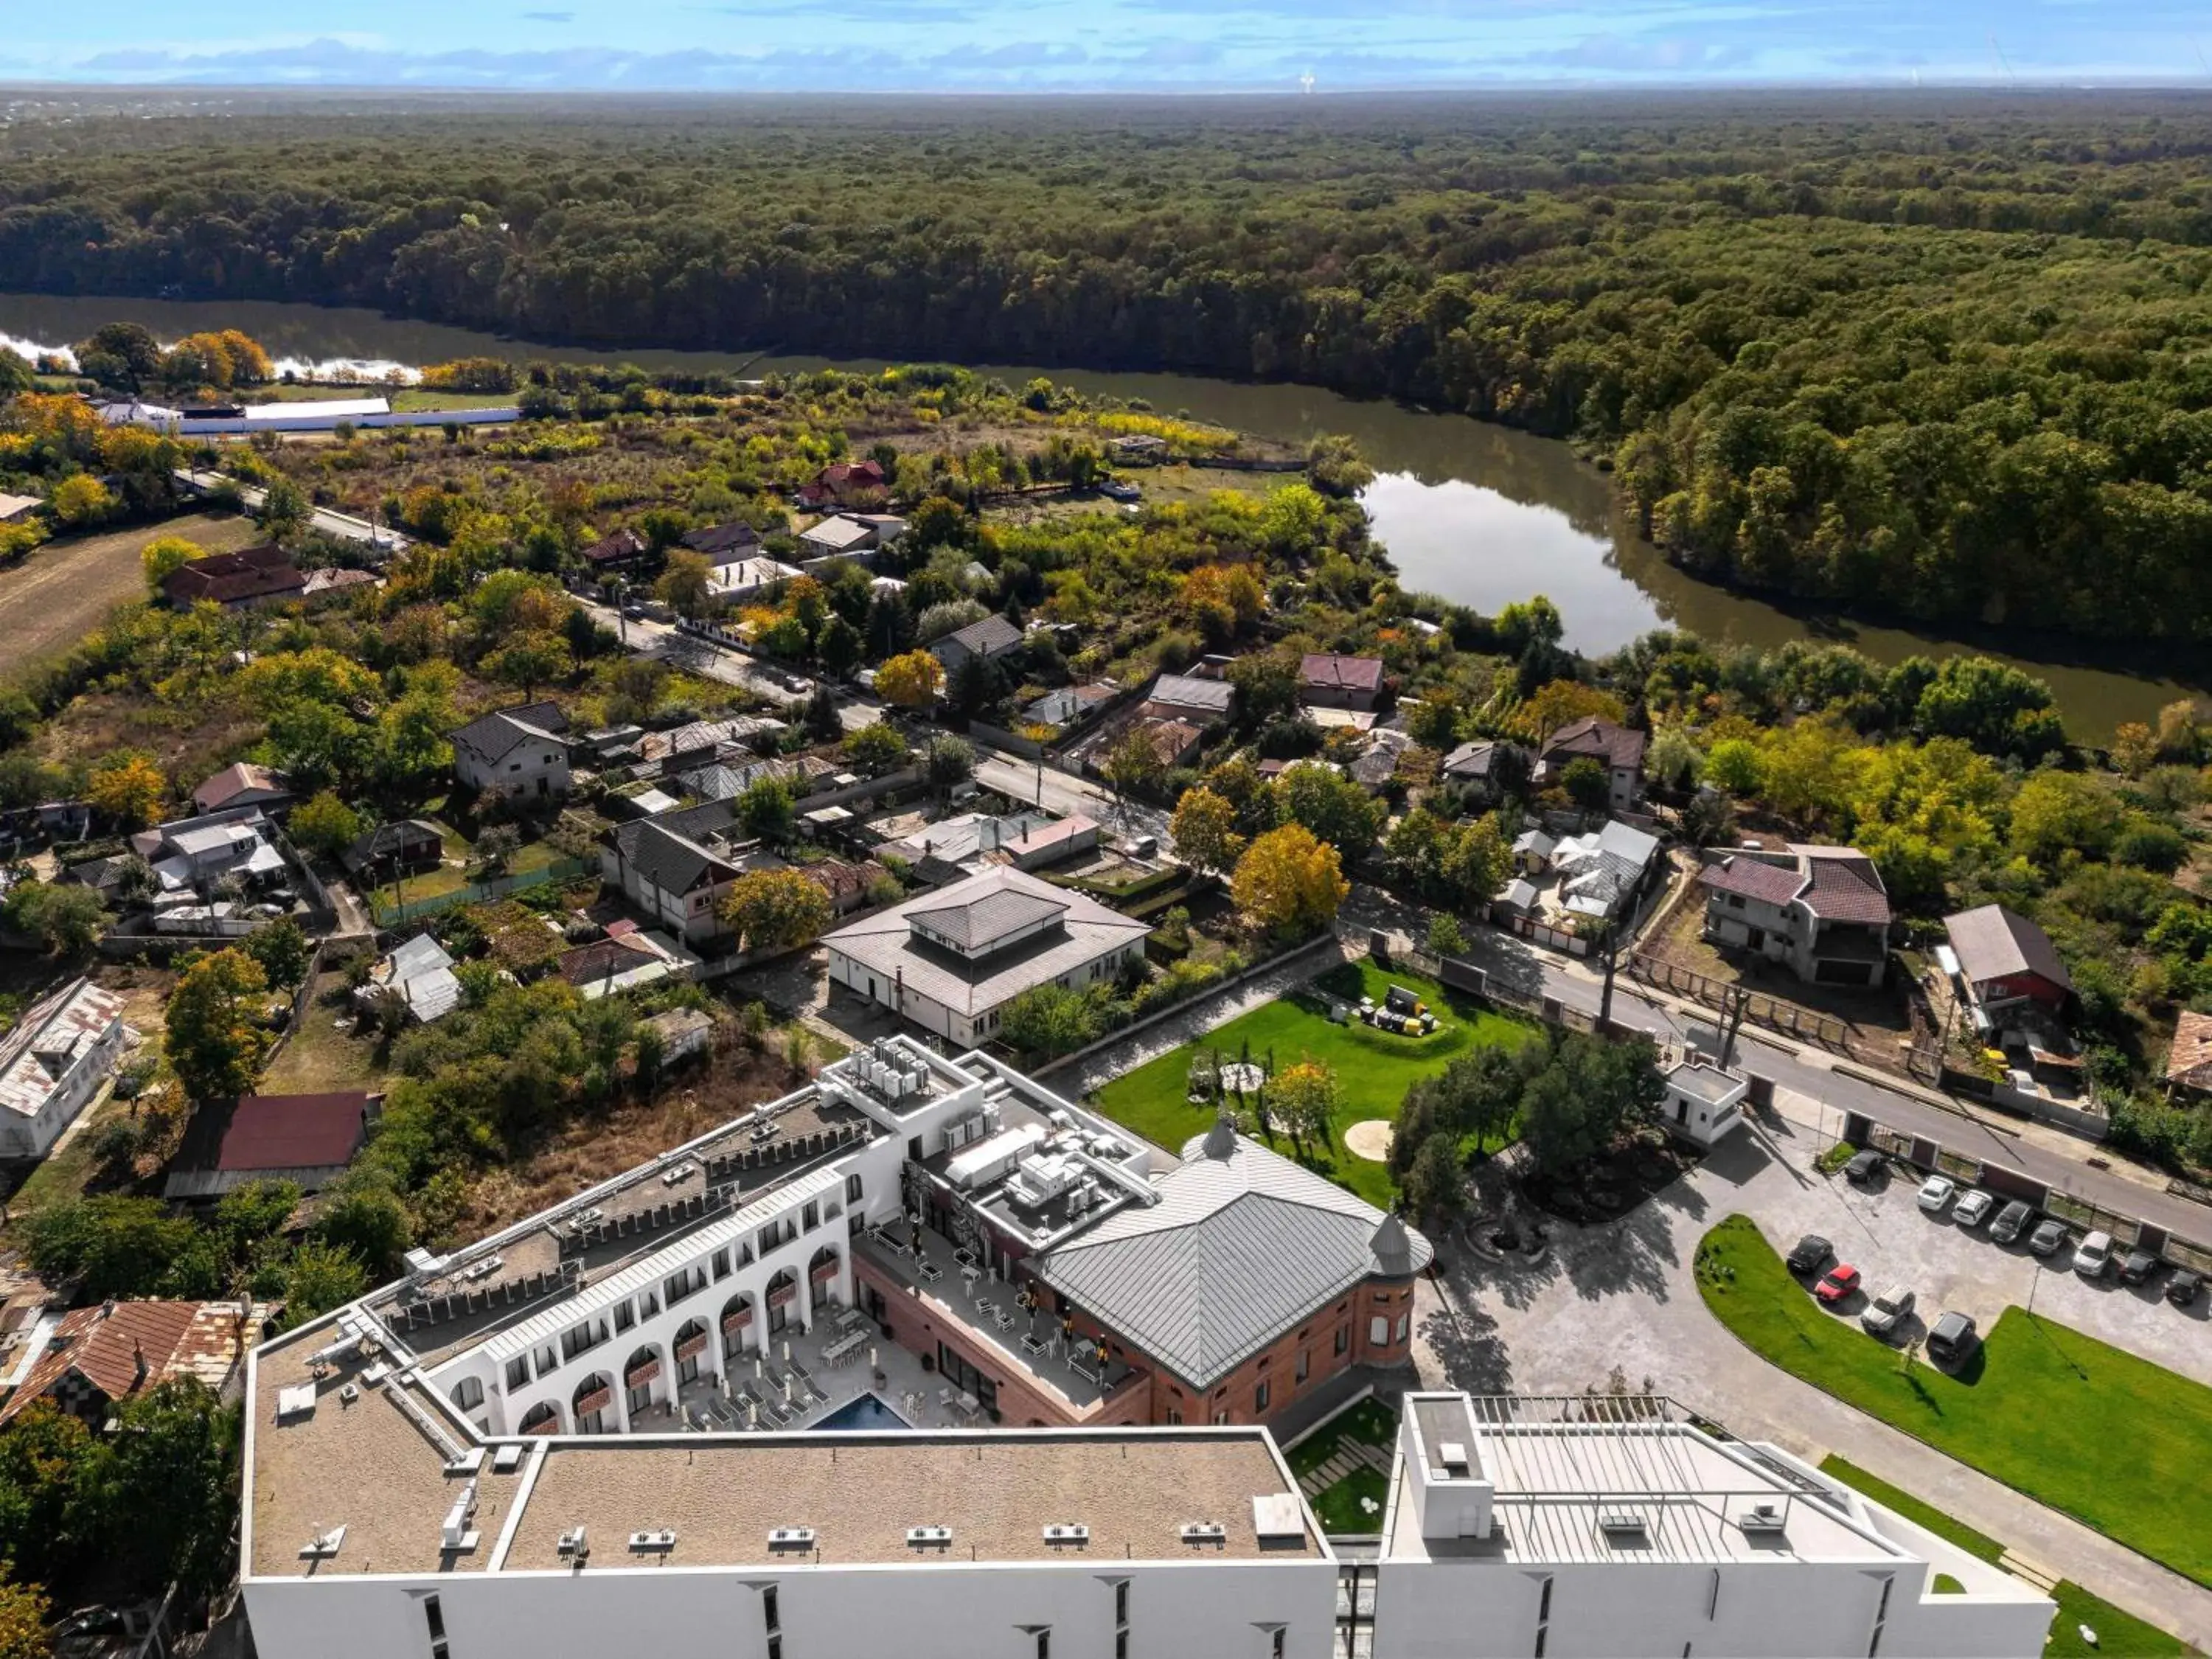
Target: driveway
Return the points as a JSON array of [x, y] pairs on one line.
[[1620, 1303]]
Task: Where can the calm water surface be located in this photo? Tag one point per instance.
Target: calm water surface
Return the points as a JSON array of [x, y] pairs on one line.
[[1480, 514]]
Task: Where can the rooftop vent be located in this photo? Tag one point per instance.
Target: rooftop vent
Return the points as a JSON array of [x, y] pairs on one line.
[[324, 1545], [1620, 1523], [298, 1400], [1761, 1517], [469, 1462], [924, 1538], [1278, 1517], [791, 1538], [1452, 1454], [574, 1545], [506, 1459], [348, 1395], [1205, 1532], [674, 1173], [1068, 1532], [650, 1543]]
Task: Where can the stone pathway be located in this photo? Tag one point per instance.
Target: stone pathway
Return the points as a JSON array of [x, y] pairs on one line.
[[1349, 1459]]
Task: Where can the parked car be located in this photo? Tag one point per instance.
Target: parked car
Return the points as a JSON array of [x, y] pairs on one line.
[[1951, 1338], [1973, 1204], [2049, 1237], [2093, 1256], [2181, 1289], [1887, 1312], [1839, 1282], [1809, 1255], [1861, 1170], [2139, 1266], [1935, 1191], [2012, 1221]]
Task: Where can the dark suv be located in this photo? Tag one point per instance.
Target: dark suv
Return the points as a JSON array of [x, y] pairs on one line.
[[1951, 1338]]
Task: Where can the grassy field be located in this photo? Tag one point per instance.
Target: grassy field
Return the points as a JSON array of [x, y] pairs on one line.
[[321, 1057], [1375, 1067], [1365, 1422], [2118, 1443], [2117, 1631], [61, 592]]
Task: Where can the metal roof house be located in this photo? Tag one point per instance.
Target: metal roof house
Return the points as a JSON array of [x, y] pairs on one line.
[[2004, 958], [950, 960], [53, 1063], [306, 1139]]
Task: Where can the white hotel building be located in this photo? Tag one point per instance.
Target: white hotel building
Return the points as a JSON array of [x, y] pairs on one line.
[[601, 1432]]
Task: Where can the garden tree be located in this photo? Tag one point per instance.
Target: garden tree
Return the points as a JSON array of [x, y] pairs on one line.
[[122, 355], [820, 719], [1204, 828], [1734, 765], [281, 948], [285, 510], [977, 684], [838, 647], [889, 627], [2135, 748], [164, 556], [635, 685], [1134, 762], [936, 522], [1586, 1092], [44, 1460], [1222, 600], [1288, 884], [509, 602], [24, 1610], [1433, 721], [767, 810], [63, 916], [911, 681], [686, 582], [81, 501], [317, 743], [1446, 938], [1337, 809], [948, 762], [1048, 1020], [116, 1246], [495, 845], [1708, 819], [1561, 702], [323, 824], [169, 1488], [318, 1277], [1267, 687], [1305, 1099], [1586, 783], [411, 733], [2056, 813], [215, 1041], [128, 790], [1998, 708], [775, 909], [1238, 782], [1674, 760], [1477, 859], [530, 660], [878, 746], [365, 1216], [1435, 1184]]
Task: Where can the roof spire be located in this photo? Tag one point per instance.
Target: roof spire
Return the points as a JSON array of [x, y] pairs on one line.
[[1221, 1138], [1394, 1252]]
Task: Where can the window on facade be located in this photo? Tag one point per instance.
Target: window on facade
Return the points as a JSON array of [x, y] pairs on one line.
[[648, 1305], [767, 1238], [1260, 1398], [1378, 1329], [770, 1612], [1174, 1414], [1275, 1643], [625, 1316], [546, 1362], [518, 1373], [721, 1264], [853, 1190], [1305, 1364], [1343, 1340], [434, 1617], [1121, 1645], [468, 1393], [1044, 1644], [1122, 1603], [810, 1218], [1401, 1327]]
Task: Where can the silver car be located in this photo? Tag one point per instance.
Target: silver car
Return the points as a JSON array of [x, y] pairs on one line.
[[1972, 1206], [1887, 1312]]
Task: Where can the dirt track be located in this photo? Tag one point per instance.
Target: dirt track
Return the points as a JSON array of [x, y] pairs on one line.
[[59, 594]]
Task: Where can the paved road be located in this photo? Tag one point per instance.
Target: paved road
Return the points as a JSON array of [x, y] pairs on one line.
[[342, 526], [1066, 794], [1623, 1296]]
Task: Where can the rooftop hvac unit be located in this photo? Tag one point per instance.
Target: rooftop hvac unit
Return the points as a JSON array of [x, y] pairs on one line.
[[1205, 1532], [456, 1533], [1060, 1119], [676, 1173], [924, 1538], [1761, 1517], [1068, 1532], [1620, 1523], [575, 1544], [791, 1538], [648, 1542], [506, 1459], [348, 1395], [1048, 1177], [1452, 1454]]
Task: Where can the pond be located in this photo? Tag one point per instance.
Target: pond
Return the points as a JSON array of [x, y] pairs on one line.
[[1480, 514]]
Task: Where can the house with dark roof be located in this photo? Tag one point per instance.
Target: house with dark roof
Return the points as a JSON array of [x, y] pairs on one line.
[[1191, 698], [842, 482], [400, 847], [1488, 767], [620, 553], [243, 784], [950, 960], [98, 1357], [1333, 682], [259, 575], [2004, 959], [725, 544], [1617, 748], [306, 1139], [1821, 912], [627, 959], [990, 639], [522, 751], [675, 867]]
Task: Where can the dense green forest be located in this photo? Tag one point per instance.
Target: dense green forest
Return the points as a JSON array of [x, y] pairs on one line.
[[1944, 353]]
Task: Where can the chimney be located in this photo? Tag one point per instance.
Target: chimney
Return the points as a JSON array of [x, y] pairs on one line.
[[137, 1366]]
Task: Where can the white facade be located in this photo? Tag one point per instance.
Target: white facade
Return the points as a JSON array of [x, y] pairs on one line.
[[53, 1063], [1703, 1103]]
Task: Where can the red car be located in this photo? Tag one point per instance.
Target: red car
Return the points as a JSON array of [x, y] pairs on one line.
[[1839, 1282]]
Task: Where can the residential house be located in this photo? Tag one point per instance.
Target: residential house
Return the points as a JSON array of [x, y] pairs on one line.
[[845, 484], [964, 844], [685, 1033], [400, 847], [1602, 872], [681, 748], [1821, 912], [1137, 449], [949, 961], [677, 867], [1703, 1103], [1175, 742], [1532, 850], [724, 544], [260, 576], [1069, 706], [98, 1358], [190, 854], [106, 877], [1333, 682], [420, 973], [2003, 960], [847, 884], [244, 784], [523, 751], [14, 509], [627, 959], [1614, 747], [1054, 843], [843, 537], [1201, 703], [2189, 1062], [740, 581], [623, 553], [990, 639], [1489, 767], [53, 1061], [332, 579], [306, 1139]]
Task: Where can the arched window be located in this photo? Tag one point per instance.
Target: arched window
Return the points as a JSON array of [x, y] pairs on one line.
[[737, 1320], [468, 1393], [543, 1418], [595, 1398]]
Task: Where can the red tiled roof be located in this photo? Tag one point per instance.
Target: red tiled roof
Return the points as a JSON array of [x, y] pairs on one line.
[[1752, 878], [2190, 1062], [1344, 673], [294, 1132], [256, 573], [622, 546], [104, 1345], [235, 780]]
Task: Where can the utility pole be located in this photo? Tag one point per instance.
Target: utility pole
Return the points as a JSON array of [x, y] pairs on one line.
[[1610, 946], [1736, 1002]]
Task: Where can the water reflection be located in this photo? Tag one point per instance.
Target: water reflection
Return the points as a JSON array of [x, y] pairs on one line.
[[1480, 514]]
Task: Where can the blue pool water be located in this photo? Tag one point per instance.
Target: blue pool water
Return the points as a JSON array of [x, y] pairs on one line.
[[867, 1413]]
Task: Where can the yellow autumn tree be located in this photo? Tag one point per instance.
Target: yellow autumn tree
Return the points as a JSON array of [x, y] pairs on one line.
[[1289, 883], [911, 681], [1205, 830], [129, 789], [164, 555]]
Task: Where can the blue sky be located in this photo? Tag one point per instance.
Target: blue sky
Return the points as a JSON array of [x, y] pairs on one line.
[[946, 46]]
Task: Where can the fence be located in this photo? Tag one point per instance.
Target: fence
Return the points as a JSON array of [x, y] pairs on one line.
[[1759, 1008], [398, 912]]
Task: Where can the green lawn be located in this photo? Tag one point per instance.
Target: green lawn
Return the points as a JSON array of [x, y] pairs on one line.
[[2114, 1441], [2116, 1631], [1338, 1506], [1375, 1067]]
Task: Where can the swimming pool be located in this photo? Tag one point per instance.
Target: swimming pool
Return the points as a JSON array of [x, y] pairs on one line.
[[867, 1413]]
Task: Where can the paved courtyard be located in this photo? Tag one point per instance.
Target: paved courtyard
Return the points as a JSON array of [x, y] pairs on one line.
[[1619, 1303]]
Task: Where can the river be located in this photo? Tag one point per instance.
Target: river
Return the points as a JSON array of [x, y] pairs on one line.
[[1481, 514]]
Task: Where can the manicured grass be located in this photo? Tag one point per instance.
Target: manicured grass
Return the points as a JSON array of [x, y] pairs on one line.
[[2117, 1631], [320, 1057], [2118, 1443], [1342, 1508], [1366, 1422], [1375, 1067]]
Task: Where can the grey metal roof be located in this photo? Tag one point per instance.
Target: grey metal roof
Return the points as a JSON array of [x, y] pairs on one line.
[[1189, 691], [675, 864], [491, 735], [1992, 943], [1242, 1246], [981, 638], [974, 924]]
